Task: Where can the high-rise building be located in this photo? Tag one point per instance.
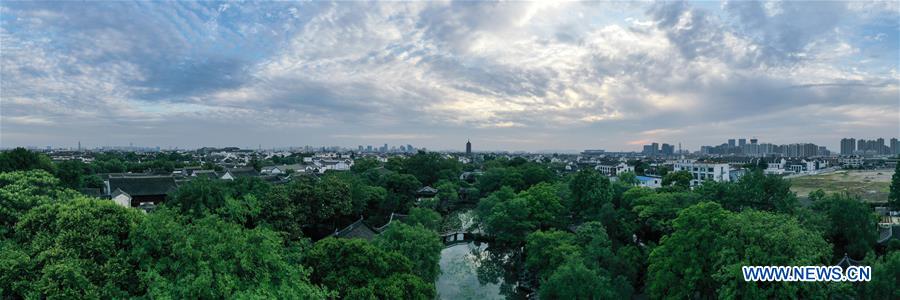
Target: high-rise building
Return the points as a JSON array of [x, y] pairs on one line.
[[753, 141], [895, 146], [742, 142], [468, 147], [667, 149], [848, 146], [731, 143]]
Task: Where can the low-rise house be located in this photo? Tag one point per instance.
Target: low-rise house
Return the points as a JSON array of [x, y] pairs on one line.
[[852, 162], [232, 174], [337, 165], [210, 174], [357, 230], [775, 167], [134, 191], [271, 170], [649, 181]]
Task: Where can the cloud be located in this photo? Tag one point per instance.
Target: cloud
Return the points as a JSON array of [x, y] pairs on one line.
[[572, 75]]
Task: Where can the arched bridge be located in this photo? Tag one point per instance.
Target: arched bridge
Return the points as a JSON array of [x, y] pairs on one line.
[[461, 237]]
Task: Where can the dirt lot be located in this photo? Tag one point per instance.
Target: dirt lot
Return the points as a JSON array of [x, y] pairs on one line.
[[870, 185]]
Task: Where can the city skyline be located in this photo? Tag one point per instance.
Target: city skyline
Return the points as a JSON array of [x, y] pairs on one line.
[[510, 76], [732, 146]]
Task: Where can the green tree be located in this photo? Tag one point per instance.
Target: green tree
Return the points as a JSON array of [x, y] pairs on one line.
[[400, 286], [509, 221], [628, 178], [680, 179], [243, 210], [199, 197], [852, 225], [448, 192], [681, 267], [429, 167], [894, 195], [364, 164], [247, 185], [77, 249], [575, 281], [306, 201], [281, 212], [762, 192], [212, 259], [487, 204], [331, 199], [20, 159], [21, 191], [92, 181], [589, 191], [534, 173], [702, 258], [495, 178], [656, 212], [759, 238], [545, 205], [597, 248], [355, 268], [885, 275], [420, 245], [401, 190], [545, 251], [427, 218], [71, 173]]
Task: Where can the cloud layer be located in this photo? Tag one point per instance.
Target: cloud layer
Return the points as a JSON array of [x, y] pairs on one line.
[[519, 75]]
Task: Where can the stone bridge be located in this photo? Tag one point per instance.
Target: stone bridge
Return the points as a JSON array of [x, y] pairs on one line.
[[461, 237]]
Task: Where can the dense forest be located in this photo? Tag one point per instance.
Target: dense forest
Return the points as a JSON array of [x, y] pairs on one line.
[[554, 234]]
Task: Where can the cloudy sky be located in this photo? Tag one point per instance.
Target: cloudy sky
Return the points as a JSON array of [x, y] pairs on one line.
[[517, 76]]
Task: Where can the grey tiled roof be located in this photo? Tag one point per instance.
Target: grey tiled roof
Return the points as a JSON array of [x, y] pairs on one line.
[[143, 185]]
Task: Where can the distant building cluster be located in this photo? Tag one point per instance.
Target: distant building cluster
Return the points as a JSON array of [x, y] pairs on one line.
[[654, 149], [852, 146], [385, 149], [741, 147]]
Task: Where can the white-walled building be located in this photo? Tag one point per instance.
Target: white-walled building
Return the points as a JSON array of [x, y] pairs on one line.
[[701, 171], [776, 167], [614, 170], [649, 181]]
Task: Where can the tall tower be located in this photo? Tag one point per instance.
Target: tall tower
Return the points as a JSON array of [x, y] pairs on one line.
[[468, 147]]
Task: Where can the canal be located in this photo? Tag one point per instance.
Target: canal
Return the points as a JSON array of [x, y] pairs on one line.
[[459, 274]]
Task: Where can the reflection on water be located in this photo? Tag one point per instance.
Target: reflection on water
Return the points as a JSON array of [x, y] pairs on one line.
[[459, 274]]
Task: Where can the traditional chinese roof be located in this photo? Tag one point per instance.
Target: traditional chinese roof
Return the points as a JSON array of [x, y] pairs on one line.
[[358, 229], [143, 185], [391, 220], [243, 172], [427, 190]]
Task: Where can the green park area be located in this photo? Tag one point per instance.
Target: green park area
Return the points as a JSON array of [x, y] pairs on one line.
[[869, 185]]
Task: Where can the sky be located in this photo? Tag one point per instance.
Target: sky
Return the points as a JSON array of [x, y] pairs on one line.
[[533, 76]]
